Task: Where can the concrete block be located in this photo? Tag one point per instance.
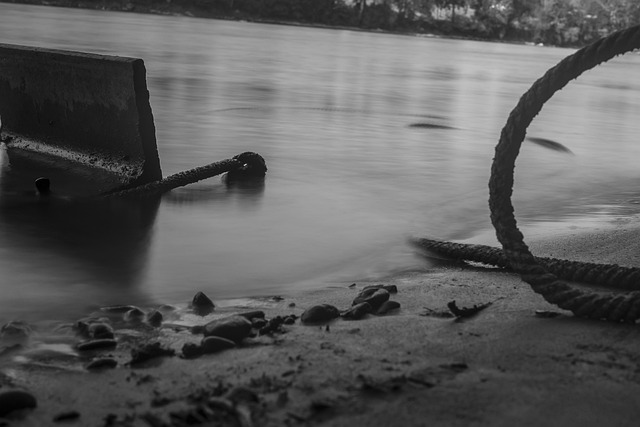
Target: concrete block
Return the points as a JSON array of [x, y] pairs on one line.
[[79, 112]]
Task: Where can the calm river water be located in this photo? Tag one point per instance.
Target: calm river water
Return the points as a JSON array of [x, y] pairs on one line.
[[349, 177]]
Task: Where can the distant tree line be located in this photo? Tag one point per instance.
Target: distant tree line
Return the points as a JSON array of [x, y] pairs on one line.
[[554, 22]]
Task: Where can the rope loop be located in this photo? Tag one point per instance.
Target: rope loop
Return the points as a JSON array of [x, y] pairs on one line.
[[596, 305]]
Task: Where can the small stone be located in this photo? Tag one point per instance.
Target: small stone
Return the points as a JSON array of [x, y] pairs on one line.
[[387, 306], [166, 308], [289, 320], [149, 351], [191, 350], [97, 344], [358, 311], [258, 323], [154, 318], [15, 329], [251, 315], [292, 304], [374, 296], [319, 314], [82, 325], [201, 304], [66, 416], [102, 363], [134, 315], [215, 344], [14, 400], [100, 331], [234, 328]]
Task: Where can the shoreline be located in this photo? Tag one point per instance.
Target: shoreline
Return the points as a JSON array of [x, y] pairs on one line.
[[186, 13], [504, 366]]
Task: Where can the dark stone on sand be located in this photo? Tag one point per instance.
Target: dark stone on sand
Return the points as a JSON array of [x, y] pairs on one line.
[[387, 306], [201, 304], [15, 329], [319, 314], [358, 311], [215, 344], [258, 323], [83, 324], [14, 400], [154, 318], [100, 330], [234, 328], [289, 320], [191, 350], [97, 344], [102, 363], [66, 416], [134, 315], [251, 315], [374, 296], [149, 351]]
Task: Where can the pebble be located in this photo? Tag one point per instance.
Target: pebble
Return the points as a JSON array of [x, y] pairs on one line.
[[215, 344], [234, 328], [149, 351], [154, 318], [100, 330], [13, 400], [134, 315], [191, 350], [83, 324], [258, 323], [202, 304], [374, 296], [387, 306], [97, 344], [319, 314], [102, 363], [358, 311]]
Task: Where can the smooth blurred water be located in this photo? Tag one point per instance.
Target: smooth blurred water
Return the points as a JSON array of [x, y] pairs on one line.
[[349, 177]]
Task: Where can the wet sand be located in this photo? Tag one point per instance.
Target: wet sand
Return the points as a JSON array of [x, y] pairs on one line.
[[505, 366]]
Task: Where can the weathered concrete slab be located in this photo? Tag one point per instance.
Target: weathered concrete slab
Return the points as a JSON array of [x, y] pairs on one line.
[[85, 113]]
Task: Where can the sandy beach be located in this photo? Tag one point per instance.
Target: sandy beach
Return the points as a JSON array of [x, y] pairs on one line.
[[415, 366]]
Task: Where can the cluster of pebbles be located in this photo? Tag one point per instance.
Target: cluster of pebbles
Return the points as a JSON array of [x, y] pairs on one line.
[[374, 299], [98, 338]]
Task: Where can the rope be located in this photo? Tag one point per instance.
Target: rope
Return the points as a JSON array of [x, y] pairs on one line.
[[595, 305], [608, 275], [245, 165]]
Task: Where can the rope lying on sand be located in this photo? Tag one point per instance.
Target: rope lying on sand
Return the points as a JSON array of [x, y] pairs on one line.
[[608, 275], [544, 274], [245, 165]]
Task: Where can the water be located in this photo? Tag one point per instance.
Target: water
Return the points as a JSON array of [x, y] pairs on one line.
[[349, 177]]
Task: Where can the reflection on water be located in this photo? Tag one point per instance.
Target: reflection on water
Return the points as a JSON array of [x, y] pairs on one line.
[[351, 175]]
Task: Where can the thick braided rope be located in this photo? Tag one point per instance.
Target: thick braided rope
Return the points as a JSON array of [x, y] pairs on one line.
[[614, 307], [608, 275], [237, 163]]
